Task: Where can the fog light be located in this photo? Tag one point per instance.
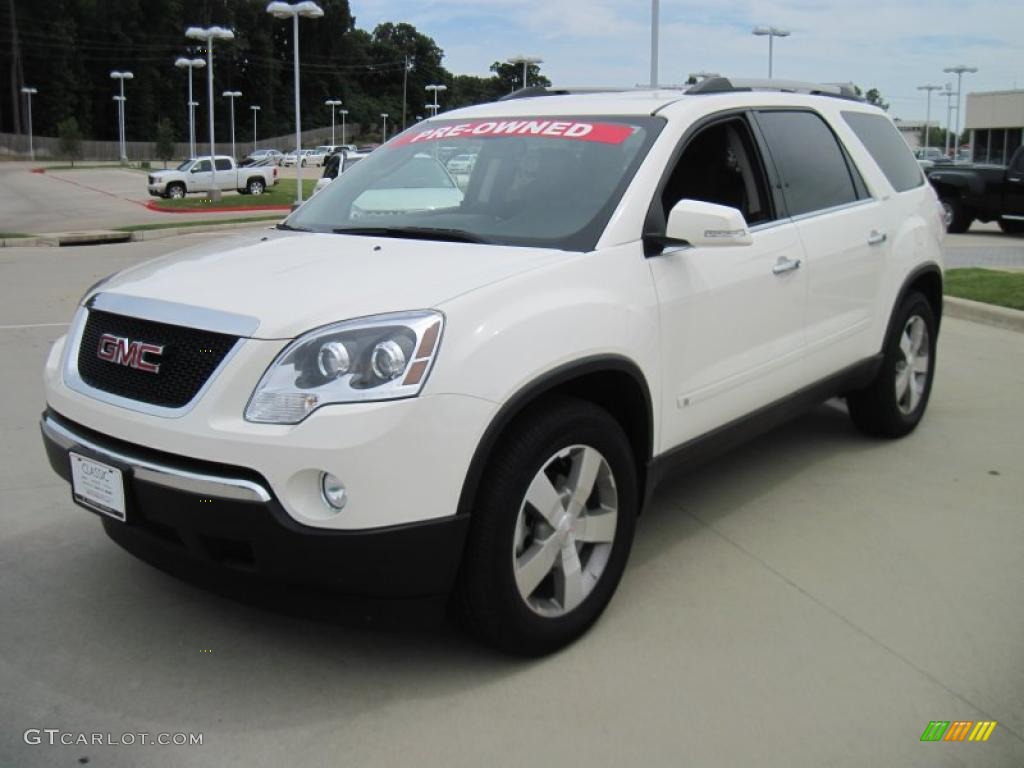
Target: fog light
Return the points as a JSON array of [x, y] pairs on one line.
[[333, 491]]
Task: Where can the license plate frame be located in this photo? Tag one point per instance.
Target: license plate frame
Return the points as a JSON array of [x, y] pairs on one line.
[[98, 486]]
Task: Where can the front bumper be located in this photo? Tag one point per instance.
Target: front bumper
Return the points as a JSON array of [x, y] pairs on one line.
[[192, 517]]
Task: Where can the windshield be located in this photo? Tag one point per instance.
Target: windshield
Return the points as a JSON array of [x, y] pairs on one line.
[[184, 166], [548, 182]]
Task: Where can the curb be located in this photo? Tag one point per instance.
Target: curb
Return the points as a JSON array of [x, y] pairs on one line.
[[989, 314], [154, 206], [159, 234], [119, 236]]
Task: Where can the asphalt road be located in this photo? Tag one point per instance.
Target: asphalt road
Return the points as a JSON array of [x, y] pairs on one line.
[[813, 599]]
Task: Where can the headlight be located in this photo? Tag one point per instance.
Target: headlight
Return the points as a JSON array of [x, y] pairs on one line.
[[384, 357]]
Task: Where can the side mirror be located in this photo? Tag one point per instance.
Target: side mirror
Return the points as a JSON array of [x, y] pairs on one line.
[[706, 225]]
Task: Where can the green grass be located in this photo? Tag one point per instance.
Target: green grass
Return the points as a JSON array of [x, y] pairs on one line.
[[1005, 289], [281, 194], [11, 235], [197, 223]]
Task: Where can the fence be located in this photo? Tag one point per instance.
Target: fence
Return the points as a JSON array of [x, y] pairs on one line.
[[15, 146]]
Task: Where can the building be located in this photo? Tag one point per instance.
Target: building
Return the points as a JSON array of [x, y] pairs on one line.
[[912, 132], [996, 122]]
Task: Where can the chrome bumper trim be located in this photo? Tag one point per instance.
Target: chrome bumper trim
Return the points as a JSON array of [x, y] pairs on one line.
[[160, 474]]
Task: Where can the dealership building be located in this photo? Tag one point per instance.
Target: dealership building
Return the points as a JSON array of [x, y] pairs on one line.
[[996, 122]]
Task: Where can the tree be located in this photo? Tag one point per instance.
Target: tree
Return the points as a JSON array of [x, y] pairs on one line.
[[164, 140], [873, 96], [70, 136], [511, 76]]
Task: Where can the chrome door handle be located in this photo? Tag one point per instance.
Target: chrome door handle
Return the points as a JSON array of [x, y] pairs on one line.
[[784, 265], [876, 237], [1017, 179]]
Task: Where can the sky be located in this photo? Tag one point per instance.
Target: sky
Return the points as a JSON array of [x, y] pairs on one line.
[[892, 46]]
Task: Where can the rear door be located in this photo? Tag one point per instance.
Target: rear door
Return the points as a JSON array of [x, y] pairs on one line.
[[227, 176], [843, 232]]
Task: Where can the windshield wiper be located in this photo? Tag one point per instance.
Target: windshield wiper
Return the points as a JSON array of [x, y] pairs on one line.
[[415, 233], [286, 225]]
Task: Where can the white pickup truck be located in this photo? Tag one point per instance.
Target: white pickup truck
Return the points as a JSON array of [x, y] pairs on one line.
[[193, 175]]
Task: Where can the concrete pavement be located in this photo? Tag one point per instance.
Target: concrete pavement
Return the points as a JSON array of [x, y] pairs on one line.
[[814, 598]]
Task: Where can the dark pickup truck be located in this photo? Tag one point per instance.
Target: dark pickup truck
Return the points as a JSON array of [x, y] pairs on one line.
[[983, 192]]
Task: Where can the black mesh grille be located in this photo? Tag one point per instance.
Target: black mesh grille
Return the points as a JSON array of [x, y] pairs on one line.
[[189, 357]]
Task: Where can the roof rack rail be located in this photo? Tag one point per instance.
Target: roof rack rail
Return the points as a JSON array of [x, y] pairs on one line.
[[542, 90], [731, 85]]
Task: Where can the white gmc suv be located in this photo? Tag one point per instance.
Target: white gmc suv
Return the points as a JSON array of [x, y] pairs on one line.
[[417, 386]]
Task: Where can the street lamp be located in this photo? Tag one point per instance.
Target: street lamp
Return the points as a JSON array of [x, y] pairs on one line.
[[959, 70], [771, 33], [29, 92], [254, 109], [121, 76], [654, 43], [232, 95], [384, 130], [526, 61], [928, 114], [432, 108], [208, 35], [309, 10], [342, 112], [949, 94], [436, 89], [184, 63], [120, 100], [333, 104]]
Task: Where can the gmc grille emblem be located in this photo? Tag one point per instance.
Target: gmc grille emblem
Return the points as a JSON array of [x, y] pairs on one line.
[[117, 349]]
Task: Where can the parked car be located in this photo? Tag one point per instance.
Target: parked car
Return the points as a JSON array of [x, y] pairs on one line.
[[305, 154], [194, 175], [336, 164], [272, 156], [393, 399], [983, 193]]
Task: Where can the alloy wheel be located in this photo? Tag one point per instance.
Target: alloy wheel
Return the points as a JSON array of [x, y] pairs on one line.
[[565, 531], [913, 369]]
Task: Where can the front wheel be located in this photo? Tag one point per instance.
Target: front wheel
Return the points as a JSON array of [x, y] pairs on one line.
[[551, 530], [892, 405], [958, 220], [175, 191]]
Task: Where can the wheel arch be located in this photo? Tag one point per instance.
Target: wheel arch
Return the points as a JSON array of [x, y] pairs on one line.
[[925, 279], [612, 382]]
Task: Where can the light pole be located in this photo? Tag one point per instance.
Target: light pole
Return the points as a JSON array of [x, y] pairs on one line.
[[342, 112], [436, 89], [771, 33], [333, 104], [208, 35], [29, 92], [960, 69], [928, 115], [120, 100], [526, 61], [184, 63], [948, 93], [254, 109], [654, 43], [432, 108], [232, 95], [405, 86], [121, 77], [384, 130], [309, 10]]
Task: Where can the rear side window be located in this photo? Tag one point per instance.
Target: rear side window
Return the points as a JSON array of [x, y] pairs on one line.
[[884, 143], [812, 165], [223, 164]]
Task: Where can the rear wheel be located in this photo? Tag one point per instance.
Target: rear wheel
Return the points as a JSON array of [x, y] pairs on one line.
[[893, 404], [255, 186], [957, 218], [1011, 227], [551, 530]]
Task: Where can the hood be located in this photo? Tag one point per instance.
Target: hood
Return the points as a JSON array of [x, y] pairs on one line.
[[292, 282]]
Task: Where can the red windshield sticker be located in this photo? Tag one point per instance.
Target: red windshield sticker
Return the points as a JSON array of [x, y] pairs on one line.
[[602, 133]]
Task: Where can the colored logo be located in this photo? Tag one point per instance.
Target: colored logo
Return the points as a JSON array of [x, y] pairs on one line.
[[958, 730]]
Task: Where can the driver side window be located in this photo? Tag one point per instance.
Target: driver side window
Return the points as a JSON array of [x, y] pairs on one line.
[[203, 166], [721, 165]]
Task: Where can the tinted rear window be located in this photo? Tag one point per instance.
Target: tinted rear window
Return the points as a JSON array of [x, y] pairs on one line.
[[887, 147], [813, 167]]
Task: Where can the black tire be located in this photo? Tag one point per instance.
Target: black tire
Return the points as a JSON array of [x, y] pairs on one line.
[[176, 190], [1011, 227], [958, 219], [487, 597], [876, 410], [255, 187]]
